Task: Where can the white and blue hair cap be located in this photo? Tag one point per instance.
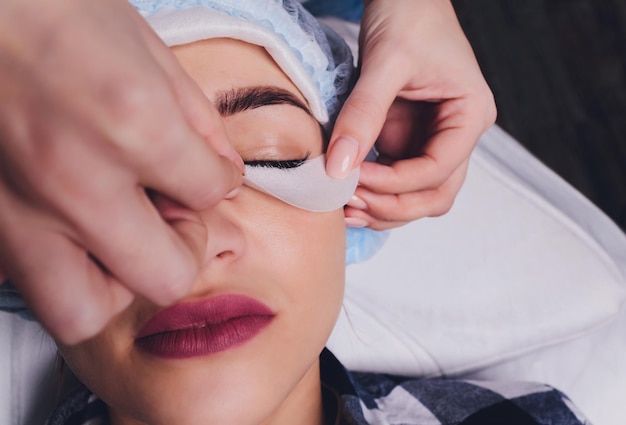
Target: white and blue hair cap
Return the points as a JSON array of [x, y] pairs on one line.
[[316, 60], [362, 243]]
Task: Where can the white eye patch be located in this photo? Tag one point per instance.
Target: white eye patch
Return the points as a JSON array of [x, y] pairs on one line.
[[307, 186]]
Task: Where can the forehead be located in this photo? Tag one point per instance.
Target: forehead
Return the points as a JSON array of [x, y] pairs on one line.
[[220, 64]]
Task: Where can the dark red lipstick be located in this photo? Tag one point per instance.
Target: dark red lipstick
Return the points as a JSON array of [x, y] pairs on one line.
[[200, 328]]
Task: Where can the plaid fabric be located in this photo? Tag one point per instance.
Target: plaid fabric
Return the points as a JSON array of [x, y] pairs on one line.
[[383, 401], [11, 301], [376, 399], [80, 407]]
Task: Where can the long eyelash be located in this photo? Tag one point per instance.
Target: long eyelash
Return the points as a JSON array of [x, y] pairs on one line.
[[282, 164]]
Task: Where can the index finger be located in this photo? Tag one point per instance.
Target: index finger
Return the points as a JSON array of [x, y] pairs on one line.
[[202, 166], [364, 113]]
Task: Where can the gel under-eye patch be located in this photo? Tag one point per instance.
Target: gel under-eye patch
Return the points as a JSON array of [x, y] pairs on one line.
[[306, 186]]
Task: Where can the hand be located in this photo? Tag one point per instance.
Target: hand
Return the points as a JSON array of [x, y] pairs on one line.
[[422, 98], [93, 109]]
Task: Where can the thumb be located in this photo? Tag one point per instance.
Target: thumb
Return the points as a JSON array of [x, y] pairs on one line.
[[362, 117]]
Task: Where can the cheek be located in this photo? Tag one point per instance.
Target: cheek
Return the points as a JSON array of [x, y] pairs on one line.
[[81, 360], [307, 251], [104, 362], [303, 243]]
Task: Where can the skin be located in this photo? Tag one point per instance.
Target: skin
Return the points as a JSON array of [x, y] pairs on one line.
[[78, 236], [254, 245], [423, 100]]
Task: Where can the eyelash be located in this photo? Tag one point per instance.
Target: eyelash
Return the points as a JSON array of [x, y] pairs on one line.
[[282, 164]]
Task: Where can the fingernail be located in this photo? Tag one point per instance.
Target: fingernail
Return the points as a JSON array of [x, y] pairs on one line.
[[355, 222], [358, 203], [342, 156]]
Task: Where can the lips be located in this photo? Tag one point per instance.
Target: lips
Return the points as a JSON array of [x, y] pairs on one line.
[[201, 328]]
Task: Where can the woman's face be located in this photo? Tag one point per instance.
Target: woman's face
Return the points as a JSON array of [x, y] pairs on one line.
[[270, 288]]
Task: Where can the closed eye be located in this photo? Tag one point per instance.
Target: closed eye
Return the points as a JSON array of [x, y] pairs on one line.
[[282, 164]]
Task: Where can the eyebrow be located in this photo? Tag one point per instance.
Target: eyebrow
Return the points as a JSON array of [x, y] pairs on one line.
[[231, 102]]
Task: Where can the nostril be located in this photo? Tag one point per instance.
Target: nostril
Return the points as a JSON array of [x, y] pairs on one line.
[[224, 254]]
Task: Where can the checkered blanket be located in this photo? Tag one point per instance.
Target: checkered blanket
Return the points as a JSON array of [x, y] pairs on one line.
[[385, 401], [375, 399]]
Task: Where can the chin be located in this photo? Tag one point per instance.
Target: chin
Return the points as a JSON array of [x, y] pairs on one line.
[[222, 407], [217, 390]]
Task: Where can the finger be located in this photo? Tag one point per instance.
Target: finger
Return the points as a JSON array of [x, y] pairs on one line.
[[65, 289], [197, 109], [190, 170], [406, 130], [144, 253], [443, 154], [186, 223], [111, 216], [171, 156], [405, 176], [363, 114], [360, 218], [193, 174], [379, 209]]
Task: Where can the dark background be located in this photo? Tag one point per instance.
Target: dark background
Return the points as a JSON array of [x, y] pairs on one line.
[[558, 72]]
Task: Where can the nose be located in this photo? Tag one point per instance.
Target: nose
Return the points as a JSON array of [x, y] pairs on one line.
[[213, 234], [225, 239]]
